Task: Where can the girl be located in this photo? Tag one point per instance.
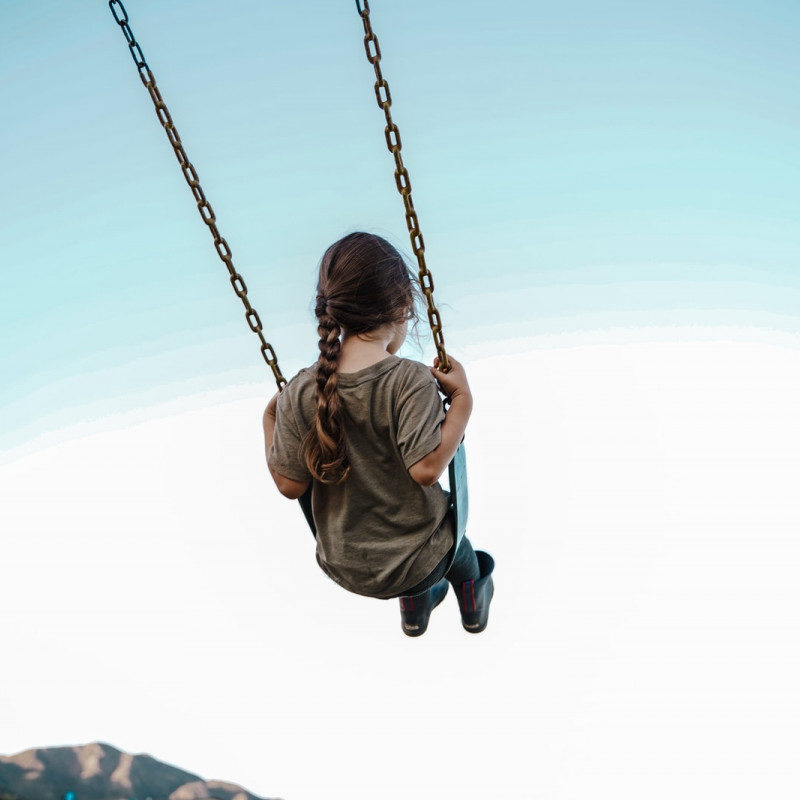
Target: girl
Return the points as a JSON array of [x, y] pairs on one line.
[[368, 429]]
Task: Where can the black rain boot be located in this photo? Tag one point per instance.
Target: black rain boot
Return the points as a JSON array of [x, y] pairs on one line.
[[475, 596], [415, 610]]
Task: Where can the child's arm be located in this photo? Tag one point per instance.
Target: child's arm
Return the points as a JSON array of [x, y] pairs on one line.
[[429, 469], [286, 486]]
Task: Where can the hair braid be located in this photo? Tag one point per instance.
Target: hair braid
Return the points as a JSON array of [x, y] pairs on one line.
[[325, 452], [363, 284]]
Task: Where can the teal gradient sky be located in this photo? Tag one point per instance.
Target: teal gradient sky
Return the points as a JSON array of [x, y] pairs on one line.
[[575, 166]]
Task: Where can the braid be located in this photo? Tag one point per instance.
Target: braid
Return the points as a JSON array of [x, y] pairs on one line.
[[363, 284], [324, 444]]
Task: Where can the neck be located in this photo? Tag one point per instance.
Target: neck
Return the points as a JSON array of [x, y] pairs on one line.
[[361, 352]]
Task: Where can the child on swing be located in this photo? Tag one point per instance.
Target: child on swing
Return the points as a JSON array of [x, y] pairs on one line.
[[368, 428]]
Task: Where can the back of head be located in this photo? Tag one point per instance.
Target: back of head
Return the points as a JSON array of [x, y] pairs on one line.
[[363, 284]]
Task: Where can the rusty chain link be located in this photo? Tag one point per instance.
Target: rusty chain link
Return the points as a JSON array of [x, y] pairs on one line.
[[403, 183], [190, 174]]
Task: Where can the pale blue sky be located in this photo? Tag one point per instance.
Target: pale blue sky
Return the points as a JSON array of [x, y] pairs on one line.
[[575, 165]]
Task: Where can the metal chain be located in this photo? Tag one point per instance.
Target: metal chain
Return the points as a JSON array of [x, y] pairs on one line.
[[189, 172], [403, 182]]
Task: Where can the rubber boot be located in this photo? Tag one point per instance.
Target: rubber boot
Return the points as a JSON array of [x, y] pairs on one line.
[[415, 610], [475, 596]]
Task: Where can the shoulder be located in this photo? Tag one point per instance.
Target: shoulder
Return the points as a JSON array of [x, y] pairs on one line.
[[298, 391], [303, 378], [412, 376], [414, 371]]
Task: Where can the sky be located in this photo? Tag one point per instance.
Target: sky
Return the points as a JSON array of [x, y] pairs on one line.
[[574, 167], [609, 196]]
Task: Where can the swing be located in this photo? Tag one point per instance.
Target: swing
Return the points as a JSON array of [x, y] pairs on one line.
[[457, 469]]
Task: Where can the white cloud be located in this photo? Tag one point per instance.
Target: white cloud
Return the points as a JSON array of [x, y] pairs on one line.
[[640, 499]]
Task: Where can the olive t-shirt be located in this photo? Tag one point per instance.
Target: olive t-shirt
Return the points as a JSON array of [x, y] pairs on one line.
[[379, 532]]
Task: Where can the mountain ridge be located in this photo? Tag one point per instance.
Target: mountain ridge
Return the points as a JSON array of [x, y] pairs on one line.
[[100, 771]]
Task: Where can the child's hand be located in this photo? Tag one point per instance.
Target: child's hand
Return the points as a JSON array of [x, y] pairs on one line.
[[453, 383]]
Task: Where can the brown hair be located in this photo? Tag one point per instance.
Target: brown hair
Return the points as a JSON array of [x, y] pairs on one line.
[[363, 283]]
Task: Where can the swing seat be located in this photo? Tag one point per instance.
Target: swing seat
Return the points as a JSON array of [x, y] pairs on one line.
[[459, 494], [305, 505]]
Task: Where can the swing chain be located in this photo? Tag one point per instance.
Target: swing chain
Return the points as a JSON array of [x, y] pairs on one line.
[[403, 182], [190, 174]]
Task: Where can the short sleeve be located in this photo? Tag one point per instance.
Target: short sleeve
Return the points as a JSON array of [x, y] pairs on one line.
[[284, 455], [420, 417]]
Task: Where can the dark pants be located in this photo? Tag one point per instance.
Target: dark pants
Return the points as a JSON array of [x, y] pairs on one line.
[[464, 568]]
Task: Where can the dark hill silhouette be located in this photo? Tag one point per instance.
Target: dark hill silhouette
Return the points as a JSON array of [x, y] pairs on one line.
[[98, 771]]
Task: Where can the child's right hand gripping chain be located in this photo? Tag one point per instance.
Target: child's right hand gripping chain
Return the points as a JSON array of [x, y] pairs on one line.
[[454, 383]]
